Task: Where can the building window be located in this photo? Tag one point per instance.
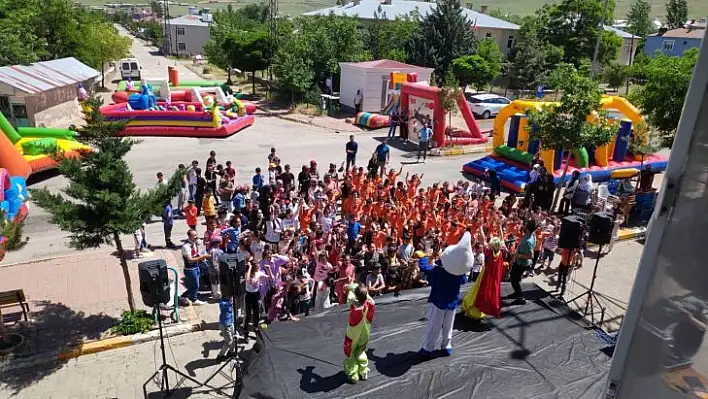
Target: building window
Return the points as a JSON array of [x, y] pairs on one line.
[[180, 31], [627, 46], [181, 46], [668, 45], [510, 42], [19, 111], [488, 35]]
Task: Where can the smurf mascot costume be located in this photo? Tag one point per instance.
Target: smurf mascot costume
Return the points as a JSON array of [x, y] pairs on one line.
[[445, 279]]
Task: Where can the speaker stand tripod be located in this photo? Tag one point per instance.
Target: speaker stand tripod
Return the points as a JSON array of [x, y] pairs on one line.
[[164, 367], [234, 360], [592, 301]]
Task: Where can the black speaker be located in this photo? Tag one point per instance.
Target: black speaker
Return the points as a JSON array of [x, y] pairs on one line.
[[231, 276], [571, 232], [601, 225], [154, 283]]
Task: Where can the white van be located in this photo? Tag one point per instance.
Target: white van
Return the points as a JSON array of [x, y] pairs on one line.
[[130, 68]]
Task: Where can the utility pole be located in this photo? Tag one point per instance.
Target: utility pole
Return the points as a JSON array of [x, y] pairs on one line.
[[167, 42], [632, 49], [273, 30], [596, 55]]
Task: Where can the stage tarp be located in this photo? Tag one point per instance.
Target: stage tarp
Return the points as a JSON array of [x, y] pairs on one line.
[[533, 351]]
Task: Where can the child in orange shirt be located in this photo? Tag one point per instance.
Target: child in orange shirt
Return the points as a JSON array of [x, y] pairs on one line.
[[567, 261], [190, 214]]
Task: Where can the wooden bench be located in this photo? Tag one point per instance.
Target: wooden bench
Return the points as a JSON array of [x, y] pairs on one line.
[[14, 298]]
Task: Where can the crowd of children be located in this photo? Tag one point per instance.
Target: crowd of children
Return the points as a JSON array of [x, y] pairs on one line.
[[304, 239]]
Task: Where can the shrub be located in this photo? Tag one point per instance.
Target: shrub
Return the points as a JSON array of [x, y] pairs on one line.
[[131, 323]]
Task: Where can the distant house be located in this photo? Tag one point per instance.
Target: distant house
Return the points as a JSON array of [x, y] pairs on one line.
[[485, 26], [674, 42], [44, 93], [629, 45], [189, 33]]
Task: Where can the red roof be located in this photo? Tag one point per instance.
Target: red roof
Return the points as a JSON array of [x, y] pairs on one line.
[[681, 33], [389, 64]]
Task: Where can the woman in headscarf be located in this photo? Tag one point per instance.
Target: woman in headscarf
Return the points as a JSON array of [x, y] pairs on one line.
[[570, 187], [485, 296]]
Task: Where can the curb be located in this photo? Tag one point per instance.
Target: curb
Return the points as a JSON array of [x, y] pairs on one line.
[[460, 151], [627, 234], [98, 346], [296, 120]]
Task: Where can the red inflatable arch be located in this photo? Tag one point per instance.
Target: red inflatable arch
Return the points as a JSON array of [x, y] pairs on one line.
[[457, 137]]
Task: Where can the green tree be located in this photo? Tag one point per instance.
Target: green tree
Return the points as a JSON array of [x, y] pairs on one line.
[[329, 40], [101, 203], [293, 69], [248, 51], [639, 19], [11, 234], [564, 124], [676, 13], [472, 70], [642, 143], [506, 15], [154, 32], [103, 44], [561, 73], [156, 8], [614, 75], [532, 59], [18, 42], [390, 39], [445, 34], [56, 23], [448, 95], [661, 98], [574, 25], [490, 51]]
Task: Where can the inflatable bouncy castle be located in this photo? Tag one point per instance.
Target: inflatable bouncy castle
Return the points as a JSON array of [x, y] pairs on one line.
[[13, 201], [422, 101], [513, 152], [197, 112], [28, 150]]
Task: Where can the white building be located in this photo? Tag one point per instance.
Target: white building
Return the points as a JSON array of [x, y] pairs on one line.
[[485, 26], [371, 77], [629, 45], [189, 33]]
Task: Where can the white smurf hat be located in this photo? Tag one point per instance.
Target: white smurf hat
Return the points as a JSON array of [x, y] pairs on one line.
[[458, 259]]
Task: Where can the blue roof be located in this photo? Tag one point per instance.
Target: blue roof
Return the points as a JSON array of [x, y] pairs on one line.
[[365, 9]]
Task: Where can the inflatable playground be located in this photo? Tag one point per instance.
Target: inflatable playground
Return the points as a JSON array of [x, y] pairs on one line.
[[28, 150], [13, 201], [422, 101], [513, 153], [162, 107]]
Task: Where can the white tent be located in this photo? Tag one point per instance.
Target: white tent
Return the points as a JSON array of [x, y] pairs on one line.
[[371, 78]]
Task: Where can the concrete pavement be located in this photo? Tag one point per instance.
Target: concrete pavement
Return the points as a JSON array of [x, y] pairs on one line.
[[121, 373]]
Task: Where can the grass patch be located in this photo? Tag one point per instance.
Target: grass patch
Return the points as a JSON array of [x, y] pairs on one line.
[[131, 323], [307, 109]]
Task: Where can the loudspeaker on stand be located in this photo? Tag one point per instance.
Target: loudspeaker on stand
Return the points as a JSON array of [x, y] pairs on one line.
[[601, 226], [230, 275], [154, 282], [571, 232]]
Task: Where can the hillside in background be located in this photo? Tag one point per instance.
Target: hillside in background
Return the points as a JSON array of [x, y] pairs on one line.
[[697, 8]]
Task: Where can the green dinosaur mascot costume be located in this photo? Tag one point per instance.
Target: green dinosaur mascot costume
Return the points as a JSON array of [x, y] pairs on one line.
[[361, 314]]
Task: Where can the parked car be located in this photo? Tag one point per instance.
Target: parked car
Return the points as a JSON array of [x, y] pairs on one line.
[[487, 105], [130, 68]]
